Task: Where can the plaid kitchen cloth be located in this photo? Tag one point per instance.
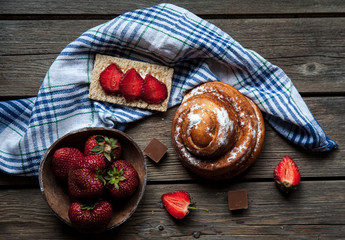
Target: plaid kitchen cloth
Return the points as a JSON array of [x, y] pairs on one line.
[[164, 34]]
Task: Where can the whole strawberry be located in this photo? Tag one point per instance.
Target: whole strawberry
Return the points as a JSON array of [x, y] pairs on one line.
[[84, 183], [122, 179], [108, 148], [178, 204], [90, 217], [93, 162], [286, 175], [63, 159]]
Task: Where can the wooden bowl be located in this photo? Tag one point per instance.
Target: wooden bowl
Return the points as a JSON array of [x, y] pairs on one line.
[[55, 192]]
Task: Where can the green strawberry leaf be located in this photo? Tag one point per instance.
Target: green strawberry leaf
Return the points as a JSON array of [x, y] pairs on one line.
[[114, 176], [113, 143], [100, 174], [98, 149], [107, 156], [89, 206], [99, 139]]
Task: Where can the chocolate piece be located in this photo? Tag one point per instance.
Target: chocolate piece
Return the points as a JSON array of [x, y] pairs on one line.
[[237, 199], [155, 150]]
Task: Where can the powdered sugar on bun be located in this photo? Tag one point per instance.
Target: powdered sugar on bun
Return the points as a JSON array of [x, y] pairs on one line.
[[217, 132]]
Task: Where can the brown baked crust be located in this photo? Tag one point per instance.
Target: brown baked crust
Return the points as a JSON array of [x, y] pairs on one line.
[[217, 132]]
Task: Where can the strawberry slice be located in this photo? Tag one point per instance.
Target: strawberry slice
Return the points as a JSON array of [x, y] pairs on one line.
[[154, 91], [286, 174], [131, 85], [110, 79], [178, 204]]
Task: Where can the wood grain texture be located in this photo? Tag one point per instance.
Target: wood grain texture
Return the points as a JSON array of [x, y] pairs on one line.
[[327, 110], [304, 38], [310, 51], [307, 213], [198, 6]]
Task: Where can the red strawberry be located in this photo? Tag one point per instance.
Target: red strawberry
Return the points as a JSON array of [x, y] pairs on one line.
[[84, 183], [153, 91], [286, 174], [63, 159], [90, 217], [108, 148], [122, 179], [110, 79], [178, 204], [131, 85], [92, 162]]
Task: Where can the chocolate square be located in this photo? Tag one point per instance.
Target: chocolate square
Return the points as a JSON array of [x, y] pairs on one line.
[[155, 150], [237, 199]]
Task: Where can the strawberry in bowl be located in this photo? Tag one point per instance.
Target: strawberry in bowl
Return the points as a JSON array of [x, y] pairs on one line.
[[90, 217], [86, 183], [106, 147], [122, 179]]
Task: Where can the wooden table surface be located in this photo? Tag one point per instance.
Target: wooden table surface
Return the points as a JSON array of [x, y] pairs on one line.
[[305, 38]]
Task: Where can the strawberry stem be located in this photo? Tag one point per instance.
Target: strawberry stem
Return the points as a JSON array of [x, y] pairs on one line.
[[100, 174], [106, 146], [115, 176], [194, 208], [89, 206]]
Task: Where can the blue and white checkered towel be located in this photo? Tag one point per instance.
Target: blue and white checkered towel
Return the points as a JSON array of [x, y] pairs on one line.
[[164, 34]]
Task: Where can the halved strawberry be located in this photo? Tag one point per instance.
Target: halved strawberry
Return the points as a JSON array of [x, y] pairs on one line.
[[110, 79], [131, 85], [286, 174], [154, 91], [178, 204]]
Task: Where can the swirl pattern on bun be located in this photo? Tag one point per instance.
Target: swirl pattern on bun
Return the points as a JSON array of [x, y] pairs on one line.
[[217, 132]]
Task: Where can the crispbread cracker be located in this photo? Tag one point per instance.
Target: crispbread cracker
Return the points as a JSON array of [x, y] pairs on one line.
[[162, 73]]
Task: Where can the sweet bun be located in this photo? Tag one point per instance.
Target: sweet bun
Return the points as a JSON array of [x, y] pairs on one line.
[[217, 132]]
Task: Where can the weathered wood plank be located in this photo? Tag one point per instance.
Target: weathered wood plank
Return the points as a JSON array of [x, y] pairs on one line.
[[9, 181], [21, 75], [198, 7], [309, 50], [314, 211], [327, 110]]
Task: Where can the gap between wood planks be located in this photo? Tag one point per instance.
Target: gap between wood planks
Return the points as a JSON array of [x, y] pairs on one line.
[[33, 183], [204, 16]]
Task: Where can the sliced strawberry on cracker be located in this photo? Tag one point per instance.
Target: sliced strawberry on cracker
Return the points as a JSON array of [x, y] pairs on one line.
[[110, 79], [131, 85], [178, 204], [153, 91], [286, 174]]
